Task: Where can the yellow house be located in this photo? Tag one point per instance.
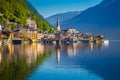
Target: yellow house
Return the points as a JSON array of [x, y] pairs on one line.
[[11, 35], [40, 36], [31, 34]]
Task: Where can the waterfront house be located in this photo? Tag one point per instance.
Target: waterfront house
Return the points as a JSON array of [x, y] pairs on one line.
[[40, 35], [11, 36], [19, 32], [58, 35], [31, 34], [72, 31]]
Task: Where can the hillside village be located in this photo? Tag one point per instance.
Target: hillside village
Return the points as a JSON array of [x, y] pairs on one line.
[[32, 34]]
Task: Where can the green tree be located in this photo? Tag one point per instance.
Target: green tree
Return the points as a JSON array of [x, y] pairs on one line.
[[16, 11]]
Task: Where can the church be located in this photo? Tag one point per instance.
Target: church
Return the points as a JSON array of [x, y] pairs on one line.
[[58, 25]]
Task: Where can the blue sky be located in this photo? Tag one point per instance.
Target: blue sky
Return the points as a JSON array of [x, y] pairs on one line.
[[50, 7]]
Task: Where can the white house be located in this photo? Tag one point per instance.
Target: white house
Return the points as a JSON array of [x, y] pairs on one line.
[[31, 23], [71, 31], [0, 27]]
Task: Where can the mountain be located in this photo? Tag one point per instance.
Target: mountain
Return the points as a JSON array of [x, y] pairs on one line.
[[33, 9], [102, 18], [63, 17], [17, 11]]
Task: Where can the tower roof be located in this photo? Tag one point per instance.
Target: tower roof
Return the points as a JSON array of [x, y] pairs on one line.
[[58, 22]]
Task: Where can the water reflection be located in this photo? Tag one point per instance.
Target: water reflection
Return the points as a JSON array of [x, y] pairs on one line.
[[58, 54], [30, 52], [18, 61], [73, 49]]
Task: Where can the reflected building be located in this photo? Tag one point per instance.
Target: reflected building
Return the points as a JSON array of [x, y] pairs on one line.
[[29, 51], [33, 51], [24, 59], [16, 51], [58, 48], [11, 49], [31, 54], [72, 49], [0, 56], [91, 46], [58, 56]]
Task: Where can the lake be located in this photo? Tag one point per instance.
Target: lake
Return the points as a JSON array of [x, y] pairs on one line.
[[78, 61]]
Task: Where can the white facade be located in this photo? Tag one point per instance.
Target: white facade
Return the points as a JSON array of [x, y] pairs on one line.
[[58, 25], [32, 23], [71, 31], [0, 27]]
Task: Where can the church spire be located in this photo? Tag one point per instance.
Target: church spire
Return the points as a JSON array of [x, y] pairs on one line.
[[58, 24]]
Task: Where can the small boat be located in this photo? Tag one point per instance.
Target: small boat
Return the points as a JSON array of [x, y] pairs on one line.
[[54, 42], [106, 41]]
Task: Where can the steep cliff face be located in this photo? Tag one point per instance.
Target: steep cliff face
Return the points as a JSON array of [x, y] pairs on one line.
[[17, 11]]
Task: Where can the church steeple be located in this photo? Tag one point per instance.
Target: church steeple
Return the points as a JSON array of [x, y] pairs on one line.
[[58, 25]]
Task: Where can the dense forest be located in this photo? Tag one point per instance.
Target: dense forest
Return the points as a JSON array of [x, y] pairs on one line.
[[16, 11]]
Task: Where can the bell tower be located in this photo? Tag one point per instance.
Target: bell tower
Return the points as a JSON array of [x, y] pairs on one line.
[[58, 25]]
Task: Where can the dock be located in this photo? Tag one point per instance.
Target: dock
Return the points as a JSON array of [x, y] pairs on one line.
[[17, 41]]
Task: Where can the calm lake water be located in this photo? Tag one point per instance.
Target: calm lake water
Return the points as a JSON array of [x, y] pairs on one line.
[[79, 61]]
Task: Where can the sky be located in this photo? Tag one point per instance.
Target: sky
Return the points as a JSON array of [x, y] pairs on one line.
[[50, 7]]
